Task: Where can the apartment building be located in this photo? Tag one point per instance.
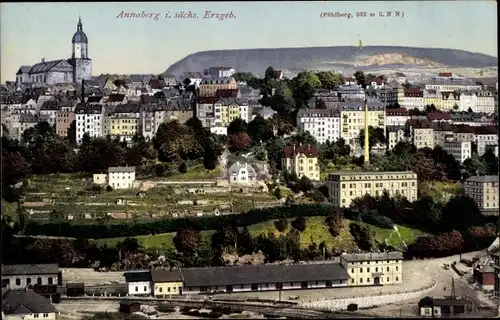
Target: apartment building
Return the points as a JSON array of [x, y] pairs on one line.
[[228, 109], [484, 190], [49, 110], [209, 86], [121, 177], [485, 102], [485, 138], [352, 119], [450, 100], [460, 150], [122, 122], [388, 94], [352, 92], [452, 84], [343, 187], [64, 118], [395, 135], [303, 160], [396, 117], [367, 269], [322, 124], [432, 97], [90, 120], [423, 137], [413, 98]]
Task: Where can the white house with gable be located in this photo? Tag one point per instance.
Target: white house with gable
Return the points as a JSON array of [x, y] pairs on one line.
[[138, 283], [241, 173], [121, 177]]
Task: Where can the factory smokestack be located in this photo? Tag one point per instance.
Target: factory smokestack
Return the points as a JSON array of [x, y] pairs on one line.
[[83, 92], [367, 138]]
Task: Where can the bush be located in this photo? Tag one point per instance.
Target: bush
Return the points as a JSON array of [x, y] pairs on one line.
[[109, 188], [362, 236], [183, 168], [299, 224], [160, 170], [335, 224], [377, 220]]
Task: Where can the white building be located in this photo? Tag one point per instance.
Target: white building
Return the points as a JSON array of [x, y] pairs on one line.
[[49, 111], [18, 276], [121, 177], [322, 124], [139, 283], [412, 98], [396, 117], [452, 84], [220, 72], [395, 136], [485, 137], [460, 150], [241, 173], [195, 77], [90, 120], [485, 102], [352, 92], [219, 130]]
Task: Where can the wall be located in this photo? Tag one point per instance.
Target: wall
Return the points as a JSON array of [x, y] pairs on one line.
[[24, 278], [40, 316], [167, 288], [366, 302], [143, 287]]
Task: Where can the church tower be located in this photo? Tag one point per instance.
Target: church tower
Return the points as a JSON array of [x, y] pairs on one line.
[[80, 55]]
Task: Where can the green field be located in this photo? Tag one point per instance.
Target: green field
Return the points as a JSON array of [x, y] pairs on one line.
[[316, 231], [196, 172]]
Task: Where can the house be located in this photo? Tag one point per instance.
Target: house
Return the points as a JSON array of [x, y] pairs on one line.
[[18, 276], [167, 282], [484, 191], [129, 306], [138, 283], [437, 308], [209, 86], [121, 177], [412, 98], [352, 119], [64, 118], [303, 160], [26, 304], [460, 150], [496, 257], [100, 178], [485, 277], [90, 120], [322, 124], [373, 268], [241, 173]]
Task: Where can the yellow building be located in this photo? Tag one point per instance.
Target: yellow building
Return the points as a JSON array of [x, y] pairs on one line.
[[423, 137], [431, 97], [166, 282], [209, 87], [228, 109], [301, 159], [484, 190], [368, 269], [343, 187], [122, 121], [449, 100], [352, 119]]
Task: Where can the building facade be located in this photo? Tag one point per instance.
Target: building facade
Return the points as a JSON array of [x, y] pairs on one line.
[[352, 120], [242, 173], [343, 187], [460, 150], [303, 160], [368, 269], [121, 177], [139, 283], [19, 276], [322, 124], [484, 191], [89, 120]]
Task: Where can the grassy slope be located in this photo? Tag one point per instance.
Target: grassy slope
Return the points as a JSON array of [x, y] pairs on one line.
[[316, 231]]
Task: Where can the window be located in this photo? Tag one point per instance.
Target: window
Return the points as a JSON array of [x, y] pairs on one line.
[[367, 279], [397, 278], [28, 280], [352, 280], [397, 268], [168, 289], [376, 269], [360, 280], [367, 269], [39, 280], [388, 279], [45, 315], [50, 280], [361, 270], [387, 268], [35, 315], [145, 288], [161, 289], [18, 282]]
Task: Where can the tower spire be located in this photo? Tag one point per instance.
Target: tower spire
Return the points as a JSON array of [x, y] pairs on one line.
[[79, 26], [367, 138]]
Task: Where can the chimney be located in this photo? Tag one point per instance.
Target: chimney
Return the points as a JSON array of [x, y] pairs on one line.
[[83, 91], [43, 60], [367, 146]]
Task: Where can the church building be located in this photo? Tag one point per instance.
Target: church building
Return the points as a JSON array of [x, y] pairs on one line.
[[73, 70]]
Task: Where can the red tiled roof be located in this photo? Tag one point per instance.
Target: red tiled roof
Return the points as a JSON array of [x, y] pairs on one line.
[[445, 74], [434, 116], [417, 123], [277, 74], [226, 93], [486, 130], [379, 81], [293, 150]]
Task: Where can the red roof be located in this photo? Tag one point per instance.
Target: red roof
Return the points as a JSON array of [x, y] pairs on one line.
[[417, 123], [445, 74], [435, 116], [379, 81], [226, 93], [486, 130], [293, 150], [413, 92], [277, 74]]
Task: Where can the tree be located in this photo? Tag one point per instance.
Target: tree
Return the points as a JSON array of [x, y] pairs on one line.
[[226, 238], [320, 104], [187, 241], [329, 80], [460, 213], [299, 224], [238, 125], [360, 78], [281, 224], [335, 223], [246, 244], [305, 184], [260, 130], [362, 236], [376, 136], [239, 142], [186, 82], [129, 245], [243, 77], [14, 168]]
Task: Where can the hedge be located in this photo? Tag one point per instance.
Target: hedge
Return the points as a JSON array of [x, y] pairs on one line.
[[131, 229]]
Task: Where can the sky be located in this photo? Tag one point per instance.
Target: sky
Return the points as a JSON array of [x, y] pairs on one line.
[[32, 31]]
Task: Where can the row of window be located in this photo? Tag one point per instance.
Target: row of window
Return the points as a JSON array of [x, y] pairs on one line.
[[368, 280], [45, 315], [376, 269], [18, 281]]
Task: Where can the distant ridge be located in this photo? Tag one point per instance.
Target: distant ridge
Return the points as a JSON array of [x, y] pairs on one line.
[[342, 58]]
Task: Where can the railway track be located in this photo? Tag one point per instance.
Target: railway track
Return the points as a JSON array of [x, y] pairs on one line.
[[267, 310]]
